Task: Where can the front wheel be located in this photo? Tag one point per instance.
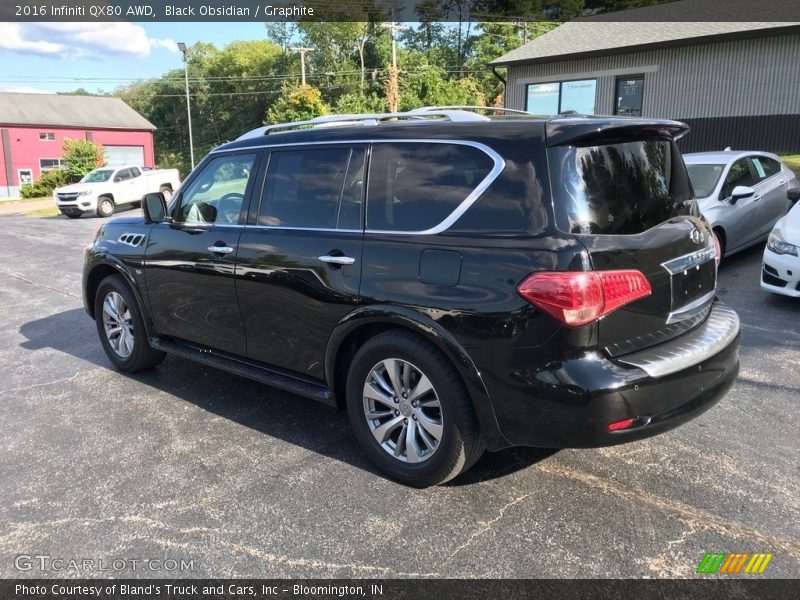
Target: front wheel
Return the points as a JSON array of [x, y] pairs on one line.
[[410, 410], [105, 207], [121, 327]]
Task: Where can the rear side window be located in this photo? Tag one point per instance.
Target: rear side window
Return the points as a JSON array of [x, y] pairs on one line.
[[415, 186], [618, 189], [314, 189], [765, 167]]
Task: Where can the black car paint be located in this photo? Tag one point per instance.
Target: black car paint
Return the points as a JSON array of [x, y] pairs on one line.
[[278, 306]]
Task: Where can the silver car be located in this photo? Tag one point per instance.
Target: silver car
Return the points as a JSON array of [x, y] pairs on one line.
[[742, 194]]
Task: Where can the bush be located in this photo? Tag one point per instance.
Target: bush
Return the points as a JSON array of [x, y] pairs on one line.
[[49, 181], [80, 157], [298, 104], [173, 160]]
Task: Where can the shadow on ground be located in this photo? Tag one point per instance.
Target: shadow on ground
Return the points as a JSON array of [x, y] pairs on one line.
[[287, 417]]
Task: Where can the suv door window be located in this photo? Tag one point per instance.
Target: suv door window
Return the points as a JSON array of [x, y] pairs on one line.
[[123, 175], [316, 188], [216, 194], [765, 167], [414, 186], [739, 174]]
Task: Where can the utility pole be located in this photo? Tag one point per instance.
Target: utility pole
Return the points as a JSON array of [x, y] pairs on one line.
[[182, 47], [393, 86], [302, 50]]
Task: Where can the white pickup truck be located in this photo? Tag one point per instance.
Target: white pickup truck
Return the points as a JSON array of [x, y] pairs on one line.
[[105, 188]]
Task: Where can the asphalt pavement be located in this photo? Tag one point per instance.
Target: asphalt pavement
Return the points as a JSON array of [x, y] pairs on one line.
[[191, 464]]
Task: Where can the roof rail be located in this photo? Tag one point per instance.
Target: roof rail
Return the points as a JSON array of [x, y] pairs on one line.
[[493, 109], [454, 116]]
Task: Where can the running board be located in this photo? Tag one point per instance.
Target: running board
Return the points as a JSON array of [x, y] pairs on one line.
[[245, 368]]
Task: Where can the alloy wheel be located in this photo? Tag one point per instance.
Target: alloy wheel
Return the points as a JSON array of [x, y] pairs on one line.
[[402, 410], [118, 324]]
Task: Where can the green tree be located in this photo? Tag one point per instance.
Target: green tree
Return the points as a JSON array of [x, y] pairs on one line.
[[298, 104], [80, 157]]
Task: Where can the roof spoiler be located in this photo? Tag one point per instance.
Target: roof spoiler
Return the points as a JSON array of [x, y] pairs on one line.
[[592, 130]]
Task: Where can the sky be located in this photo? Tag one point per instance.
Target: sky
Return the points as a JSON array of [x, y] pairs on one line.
[[61, 57]]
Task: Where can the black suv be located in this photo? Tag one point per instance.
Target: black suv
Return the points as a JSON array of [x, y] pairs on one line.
[[454, 281]]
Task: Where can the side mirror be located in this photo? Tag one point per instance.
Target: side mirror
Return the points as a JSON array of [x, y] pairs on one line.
[[793, 194], [154, 208], [741, 191]]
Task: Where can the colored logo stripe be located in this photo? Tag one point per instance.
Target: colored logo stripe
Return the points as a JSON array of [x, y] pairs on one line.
[[711, 562], [758, 563], [722, 562]]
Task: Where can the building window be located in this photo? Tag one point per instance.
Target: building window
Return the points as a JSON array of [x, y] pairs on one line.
[[558, 97], [48, 164], [630, 92], [47, 136]]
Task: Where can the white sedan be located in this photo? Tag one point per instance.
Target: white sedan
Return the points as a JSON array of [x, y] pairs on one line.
[[780, 272]]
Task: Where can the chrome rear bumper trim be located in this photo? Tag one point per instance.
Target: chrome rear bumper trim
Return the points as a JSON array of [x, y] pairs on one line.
[[700, 344]]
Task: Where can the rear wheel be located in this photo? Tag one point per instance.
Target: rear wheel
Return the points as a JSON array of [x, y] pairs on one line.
[[121, 327], [105, 207], [410, 410], [166, 191]]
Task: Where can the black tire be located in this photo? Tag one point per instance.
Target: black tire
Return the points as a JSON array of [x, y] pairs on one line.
[[105, 207], [74, 215], [142, 355], [461, 444], [166, 191]]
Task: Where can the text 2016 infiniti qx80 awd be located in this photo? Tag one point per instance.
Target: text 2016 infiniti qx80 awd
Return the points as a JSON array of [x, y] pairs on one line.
[[454, 281]]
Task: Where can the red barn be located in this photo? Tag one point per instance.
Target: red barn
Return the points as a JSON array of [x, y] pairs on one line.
[[33, 128]]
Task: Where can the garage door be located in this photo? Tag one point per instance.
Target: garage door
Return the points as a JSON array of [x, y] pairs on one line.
[[124, 155]]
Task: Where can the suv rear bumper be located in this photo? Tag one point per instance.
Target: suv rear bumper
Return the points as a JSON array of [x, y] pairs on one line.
[[570, 403]]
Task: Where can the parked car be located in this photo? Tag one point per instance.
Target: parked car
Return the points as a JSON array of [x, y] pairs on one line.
[[742, 194], [780, 272], [103, 189], [454, 281]]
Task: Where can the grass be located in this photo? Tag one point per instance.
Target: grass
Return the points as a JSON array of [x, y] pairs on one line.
[[793, 162], [18, 199], [50, 211]]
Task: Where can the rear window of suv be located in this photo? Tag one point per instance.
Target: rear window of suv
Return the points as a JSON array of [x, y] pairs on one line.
[[414, 186], [618, 189]]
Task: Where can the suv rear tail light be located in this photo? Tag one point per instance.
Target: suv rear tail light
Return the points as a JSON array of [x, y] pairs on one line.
[[580, 297]]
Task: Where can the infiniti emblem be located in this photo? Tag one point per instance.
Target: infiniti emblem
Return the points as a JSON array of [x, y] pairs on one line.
[[697, 236]]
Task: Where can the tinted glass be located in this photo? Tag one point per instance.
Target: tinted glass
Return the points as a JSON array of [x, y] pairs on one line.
[[578, 96], [135, 172], [216, 194], [314, 189], [618, 188], [415, 186], [704, 178], [123, 174], [739, 174], [765, 167]]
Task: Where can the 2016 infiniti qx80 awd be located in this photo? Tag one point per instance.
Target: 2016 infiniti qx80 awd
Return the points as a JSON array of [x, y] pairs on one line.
[[455, 281]]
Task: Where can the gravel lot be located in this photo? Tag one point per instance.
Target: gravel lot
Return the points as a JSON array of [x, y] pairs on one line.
[[186, 462]]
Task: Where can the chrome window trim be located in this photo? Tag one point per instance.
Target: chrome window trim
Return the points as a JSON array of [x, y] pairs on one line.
[[472, 197]]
